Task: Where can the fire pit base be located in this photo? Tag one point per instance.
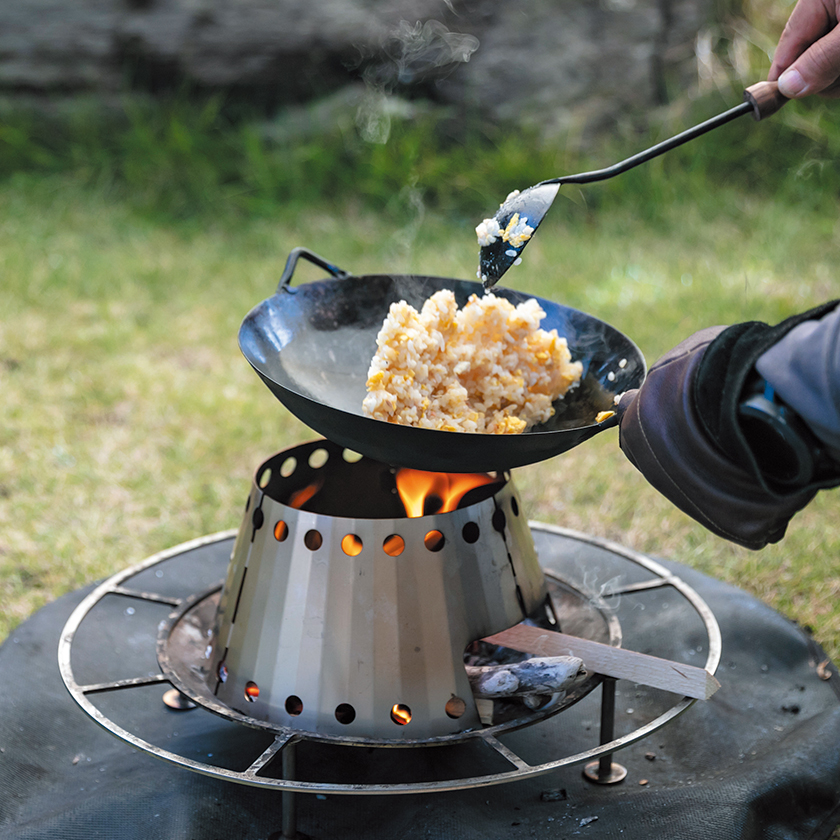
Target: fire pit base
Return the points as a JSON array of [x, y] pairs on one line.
[[759, 759]]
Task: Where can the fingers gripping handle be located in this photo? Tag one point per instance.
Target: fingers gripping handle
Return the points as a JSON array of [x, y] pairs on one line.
[[764, 98]]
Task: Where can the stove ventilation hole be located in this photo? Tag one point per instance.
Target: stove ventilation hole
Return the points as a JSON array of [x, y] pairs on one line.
[[514, 506], [318, 458], [281, 531], [434, 541], [252, 691], [455, 707], [345, 713], [351, 545], [394, 545], [265, 477], [313, 540], [471, 532], [294, 705], [400, 714], [288, 467], [351, 457], [499, 520]]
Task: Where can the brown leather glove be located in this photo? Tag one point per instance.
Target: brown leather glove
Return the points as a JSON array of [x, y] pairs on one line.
[[681, 430]]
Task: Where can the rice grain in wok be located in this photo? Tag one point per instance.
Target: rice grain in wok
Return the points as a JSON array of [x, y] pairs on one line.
[[485, 368]]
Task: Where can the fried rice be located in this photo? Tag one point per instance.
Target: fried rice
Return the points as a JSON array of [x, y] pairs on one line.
[[487, 367]]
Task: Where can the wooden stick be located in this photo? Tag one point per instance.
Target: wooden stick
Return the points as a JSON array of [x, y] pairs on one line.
[[653, 671], [764, 98]]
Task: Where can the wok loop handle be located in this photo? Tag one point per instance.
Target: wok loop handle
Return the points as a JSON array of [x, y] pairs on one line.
[[764, 98], [291, 264]]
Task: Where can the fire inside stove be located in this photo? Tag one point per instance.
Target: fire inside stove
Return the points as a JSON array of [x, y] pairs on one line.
[[356, 594], [425, 493]]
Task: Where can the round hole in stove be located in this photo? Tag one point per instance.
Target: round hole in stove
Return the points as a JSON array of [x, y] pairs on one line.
[[313, 540], [265, 477], [400, 714], [499, 520], [281, 531], [318, 458], [351, 457], [252, 691], [351, 545], [514, 506], [294, 705], [288, 467], [434, 541], [455, 707], [345, 713], [471, 532], [393, 545]]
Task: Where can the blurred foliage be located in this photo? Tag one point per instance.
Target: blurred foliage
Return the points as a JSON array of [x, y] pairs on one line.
[[181, 156]]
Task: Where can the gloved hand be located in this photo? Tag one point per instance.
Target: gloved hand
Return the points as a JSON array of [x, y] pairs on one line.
[[682, 432]]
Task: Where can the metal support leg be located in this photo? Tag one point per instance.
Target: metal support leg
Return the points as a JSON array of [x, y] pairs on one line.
[[605, 771], [289, 804], [173, 699]]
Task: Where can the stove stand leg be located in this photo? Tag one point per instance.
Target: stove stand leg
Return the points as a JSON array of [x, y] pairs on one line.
[[605, 771], [173, 699], [288, 802]]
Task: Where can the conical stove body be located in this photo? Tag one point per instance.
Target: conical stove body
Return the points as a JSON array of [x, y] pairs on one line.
[[343, 616]]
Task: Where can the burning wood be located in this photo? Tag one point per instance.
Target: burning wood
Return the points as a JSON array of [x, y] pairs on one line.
[[542, 676]]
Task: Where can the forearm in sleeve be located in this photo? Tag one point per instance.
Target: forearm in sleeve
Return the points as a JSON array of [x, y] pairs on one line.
[[804, 369]]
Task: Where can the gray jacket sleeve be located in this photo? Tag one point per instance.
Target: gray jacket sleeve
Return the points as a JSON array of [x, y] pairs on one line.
[[804, 369]]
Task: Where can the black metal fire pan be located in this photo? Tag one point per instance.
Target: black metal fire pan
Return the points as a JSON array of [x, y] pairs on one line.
[[312, 345]]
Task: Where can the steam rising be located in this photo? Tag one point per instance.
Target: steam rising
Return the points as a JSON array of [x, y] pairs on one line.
[[420, 50], [411, 54]]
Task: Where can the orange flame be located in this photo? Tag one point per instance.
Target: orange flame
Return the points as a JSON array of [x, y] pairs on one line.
[[400, 714], [300, 497], [351, 545], [417, 486], [394, 545]]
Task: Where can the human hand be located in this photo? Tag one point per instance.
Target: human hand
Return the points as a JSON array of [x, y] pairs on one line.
[[663, 436], [807, 58]]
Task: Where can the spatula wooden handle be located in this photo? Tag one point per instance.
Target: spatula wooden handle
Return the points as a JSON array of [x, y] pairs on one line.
[[764, 98]]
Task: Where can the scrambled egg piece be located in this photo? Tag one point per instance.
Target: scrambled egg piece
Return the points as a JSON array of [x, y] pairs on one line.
[[517, 232]]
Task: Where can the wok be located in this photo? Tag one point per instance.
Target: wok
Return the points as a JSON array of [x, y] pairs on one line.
[[312, 345]]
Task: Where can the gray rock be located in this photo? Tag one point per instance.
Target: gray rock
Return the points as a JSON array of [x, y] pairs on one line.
[[529, 60]]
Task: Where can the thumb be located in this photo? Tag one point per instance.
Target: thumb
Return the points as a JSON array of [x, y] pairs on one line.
[[815, 70]]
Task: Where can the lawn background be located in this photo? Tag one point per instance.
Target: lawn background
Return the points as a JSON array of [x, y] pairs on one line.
[[135, 236]]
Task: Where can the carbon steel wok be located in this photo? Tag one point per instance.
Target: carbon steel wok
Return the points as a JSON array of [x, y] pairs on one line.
[[312, 345]]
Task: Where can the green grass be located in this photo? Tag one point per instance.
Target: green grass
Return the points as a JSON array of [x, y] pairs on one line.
[[132, 423]]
